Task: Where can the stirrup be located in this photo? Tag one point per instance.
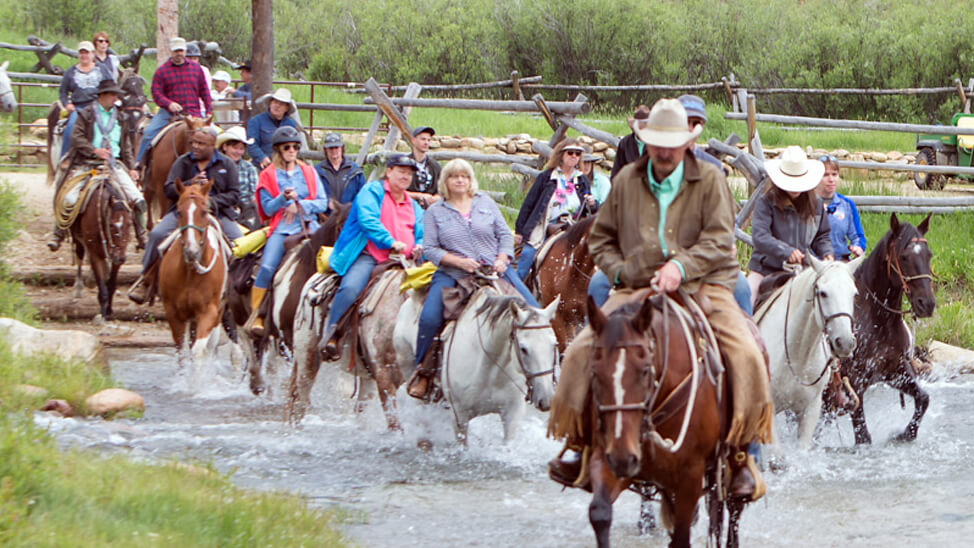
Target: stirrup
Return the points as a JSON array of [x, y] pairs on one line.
[[137, 298]]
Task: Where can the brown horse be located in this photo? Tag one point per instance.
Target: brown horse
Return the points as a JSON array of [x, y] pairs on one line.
[[173, 143], [565, 271], [193, 274], [658, 420], [899, 264], [102, 231]]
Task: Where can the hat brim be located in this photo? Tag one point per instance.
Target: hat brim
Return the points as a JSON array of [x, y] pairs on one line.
[[292, 107], [226, 138], [115, 90], [666, 137], [792, 183], [332, 145]]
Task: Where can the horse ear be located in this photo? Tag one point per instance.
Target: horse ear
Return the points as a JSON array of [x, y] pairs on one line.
[[853, 265], [644, 318], [4, 65], [816, 264], [549, 311], [894, 223], [208, 120], [179, 186], [596, 318], [925, 224], [205, 189]]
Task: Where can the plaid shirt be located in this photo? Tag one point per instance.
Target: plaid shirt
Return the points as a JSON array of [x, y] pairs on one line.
[[248, 180], [184, 84]]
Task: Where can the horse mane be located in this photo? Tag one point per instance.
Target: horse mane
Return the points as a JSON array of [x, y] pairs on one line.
[[495, 306], [326, 234], [578, 231]]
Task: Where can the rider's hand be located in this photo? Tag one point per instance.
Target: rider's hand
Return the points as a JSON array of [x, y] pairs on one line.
[[290, 194], [175, 107], [103, 153], [199, 178], [517, 239], [432, 199], [500, 263], [796, 257], [265, 162], [467, 264], [69, 107], [397, 246], [856, 251], [290, 212], [590, 200], [667, 278], [417, 252], [134, 174]]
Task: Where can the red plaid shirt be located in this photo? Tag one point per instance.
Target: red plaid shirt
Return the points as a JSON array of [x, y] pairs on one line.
[[183, 84]]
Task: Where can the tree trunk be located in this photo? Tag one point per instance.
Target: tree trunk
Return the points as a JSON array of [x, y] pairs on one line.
[[262, 51], [167, 26]]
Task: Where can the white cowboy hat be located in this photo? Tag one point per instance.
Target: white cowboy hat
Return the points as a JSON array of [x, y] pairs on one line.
[[222, 76], [283, 95], [666, 126], [236, 133], [792, 171]]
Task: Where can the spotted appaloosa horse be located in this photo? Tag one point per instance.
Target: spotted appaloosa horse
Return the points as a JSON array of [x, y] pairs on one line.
[[193, 275], [102, 231], [898, 265]]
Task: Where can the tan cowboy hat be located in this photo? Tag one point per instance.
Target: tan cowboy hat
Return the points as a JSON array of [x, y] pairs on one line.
[[666, 126], [792, 171], [283, 95], [236, 133]]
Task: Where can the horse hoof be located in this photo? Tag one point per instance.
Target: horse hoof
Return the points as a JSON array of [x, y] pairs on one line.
[[98, 320], [905, 437], [424, 445]]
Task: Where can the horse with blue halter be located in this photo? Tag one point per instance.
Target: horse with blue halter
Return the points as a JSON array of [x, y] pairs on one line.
[[806, 325]]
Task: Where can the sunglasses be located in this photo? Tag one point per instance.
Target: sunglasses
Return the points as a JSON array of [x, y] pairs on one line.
[[291, 146], [102, 40], [828, 158], [573, 152]]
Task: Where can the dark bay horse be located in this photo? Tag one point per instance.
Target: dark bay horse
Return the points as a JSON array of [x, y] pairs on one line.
[[899, 264], [173, 142], [658, 419], [102, 230], [565, 271], [193, 275]]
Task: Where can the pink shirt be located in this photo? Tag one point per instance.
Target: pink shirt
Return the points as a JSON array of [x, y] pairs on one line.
[[399, 219]]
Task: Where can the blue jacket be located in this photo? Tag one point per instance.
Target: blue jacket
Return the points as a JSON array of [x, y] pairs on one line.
[[260, 128], [846, 228], [363, 225], [343, 184]]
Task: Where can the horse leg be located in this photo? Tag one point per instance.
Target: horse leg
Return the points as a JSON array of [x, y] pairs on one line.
[[859, 421], [385, 376], [79, 283], [734, 508], [684, 507], [808, 420], [98, 271], [207, 336], [647, 515], [111, 284], [511, 418], [715, 506], [605, 490], [921, 400]]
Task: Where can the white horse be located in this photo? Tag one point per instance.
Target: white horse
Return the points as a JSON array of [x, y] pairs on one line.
[[805, 324], [498, 354], [7, 100]]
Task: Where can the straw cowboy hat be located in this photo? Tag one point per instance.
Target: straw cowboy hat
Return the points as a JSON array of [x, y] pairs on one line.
[[666, 126], [793, 171], [283, 95], [236, 133]]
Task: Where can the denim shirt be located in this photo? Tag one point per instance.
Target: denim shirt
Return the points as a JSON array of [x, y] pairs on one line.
[[846, 229], [309, 208]]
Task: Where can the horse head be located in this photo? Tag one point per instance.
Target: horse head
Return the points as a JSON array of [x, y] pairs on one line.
[[8, 103], [909, 264], [834, 294], [623, 373], [536, 349], [192, 210], [193, 123]]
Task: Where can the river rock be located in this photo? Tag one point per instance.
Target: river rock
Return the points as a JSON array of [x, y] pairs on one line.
[[894, 155], [878, 157], [65, 344], [599, 146], [511, 147], [586, 140], [60, 407], [502, 142], [31, 391], [610, 154], [450, 142], [476, 143], [114, 400], [944, 353]]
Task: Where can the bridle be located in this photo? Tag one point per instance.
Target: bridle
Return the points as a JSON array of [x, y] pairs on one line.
[[204, 242], [893, 265]]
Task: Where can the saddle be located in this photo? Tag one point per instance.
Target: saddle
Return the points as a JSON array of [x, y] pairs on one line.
[[75, 191], [769, 285]]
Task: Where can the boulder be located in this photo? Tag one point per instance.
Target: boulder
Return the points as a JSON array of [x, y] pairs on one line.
[[434, 144], [511, 147], [586, 140], [114, 400], [878, 157], [894, 155], [65, 344], [491, 141], [524, 146], [599, 146], [60, 407], [523, 136], [39, 132], [610, 154], [473, 142], [960, 358], [840, 153], [450, 142]]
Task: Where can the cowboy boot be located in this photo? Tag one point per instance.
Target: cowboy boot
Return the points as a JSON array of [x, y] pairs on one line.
[[568, 467], [422, 379], [138, 223], [328, 344], [55, 242], [257, 324], [139, 292], [746, 482]]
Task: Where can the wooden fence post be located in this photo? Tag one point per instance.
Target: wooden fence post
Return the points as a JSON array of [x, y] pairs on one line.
[[399, 124], [516, 85], [753, 137]]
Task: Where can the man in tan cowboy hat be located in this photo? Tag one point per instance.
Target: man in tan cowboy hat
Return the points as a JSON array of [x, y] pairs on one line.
[[261, 128], [630, 147], [669, 223]]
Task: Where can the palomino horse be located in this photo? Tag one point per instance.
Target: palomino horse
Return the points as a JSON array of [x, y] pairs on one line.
[[659, 417], [102, 231], [8, 103], [371, 353], [499, 353], [193, 274], [565, 271], [805, 324], [900, 264], [172, 142]]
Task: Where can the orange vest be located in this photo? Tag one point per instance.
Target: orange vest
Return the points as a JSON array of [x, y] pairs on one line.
[[268, 181]]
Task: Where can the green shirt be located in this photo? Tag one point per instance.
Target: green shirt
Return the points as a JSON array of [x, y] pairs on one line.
[[665, 192], [114, 136]]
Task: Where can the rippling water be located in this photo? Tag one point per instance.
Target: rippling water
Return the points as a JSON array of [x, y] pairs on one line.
[[492, 494]]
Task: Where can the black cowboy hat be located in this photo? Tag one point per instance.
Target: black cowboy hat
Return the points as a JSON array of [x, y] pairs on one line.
[[109, 86], [244, 66]]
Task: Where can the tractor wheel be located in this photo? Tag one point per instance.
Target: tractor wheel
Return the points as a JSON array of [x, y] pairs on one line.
[[927, 181]]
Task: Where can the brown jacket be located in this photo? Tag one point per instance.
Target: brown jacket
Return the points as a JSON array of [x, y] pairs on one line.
[[699, 229], [84, 132]]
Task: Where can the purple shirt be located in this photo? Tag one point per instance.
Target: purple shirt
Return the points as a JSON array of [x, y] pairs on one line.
[[184, 84]]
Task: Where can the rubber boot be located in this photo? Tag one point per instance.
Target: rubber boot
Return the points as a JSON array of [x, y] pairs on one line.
[[257, 325], [55, 242], [138, 223]]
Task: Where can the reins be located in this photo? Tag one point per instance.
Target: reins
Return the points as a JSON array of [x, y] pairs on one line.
[[893, 265]]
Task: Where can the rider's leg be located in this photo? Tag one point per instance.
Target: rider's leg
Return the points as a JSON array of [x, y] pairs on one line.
[[230, 228], [525, 261], [742, 294], [599, 287], [66, 137], [430, 322], [56, 238], [166, 226], [135, 200], [753, 283], [522, 289], [351, 286], [271, 258], [159, 121]]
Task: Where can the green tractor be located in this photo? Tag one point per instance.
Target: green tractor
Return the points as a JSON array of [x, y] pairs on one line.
[[944, 150]]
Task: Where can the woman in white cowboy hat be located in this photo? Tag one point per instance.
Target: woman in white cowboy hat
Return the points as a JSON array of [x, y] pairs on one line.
[[232, 143], [788, 220], [261, 128]]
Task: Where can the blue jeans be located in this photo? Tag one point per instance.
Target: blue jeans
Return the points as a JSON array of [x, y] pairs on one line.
[[431, 318], [599, 286], [159, 121], [168, 224], [66, 137], [353, 283], [273, 251], [525, 261]]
